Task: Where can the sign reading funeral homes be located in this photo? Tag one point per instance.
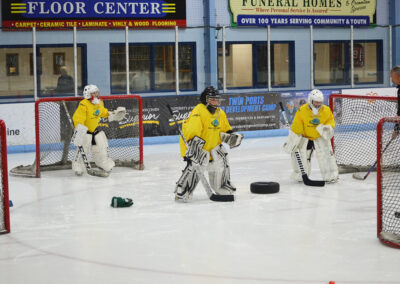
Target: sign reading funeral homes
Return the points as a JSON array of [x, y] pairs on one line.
[[302, 12], [93, 14]]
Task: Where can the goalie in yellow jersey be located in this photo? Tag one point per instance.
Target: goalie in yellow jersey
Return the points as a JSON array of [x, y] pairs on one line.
[[312, 129], [205, 130], [86, 119]]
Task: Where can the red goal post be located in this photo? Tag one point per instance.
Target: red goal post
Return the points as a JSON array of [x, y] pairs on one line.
[[356, 118], [388, 182], [54, 149], [4, 199]]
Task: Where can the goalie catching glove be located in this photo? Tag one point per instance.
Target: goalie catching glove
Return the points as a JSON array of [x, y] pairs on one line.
[[232, 139], [79, 134], [117, 115]]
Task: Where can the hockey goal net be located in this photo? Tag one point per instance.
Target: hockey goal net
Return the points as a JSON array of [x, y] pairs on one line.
[[4, 201], [356, 119], [54, 149], [388, 182]]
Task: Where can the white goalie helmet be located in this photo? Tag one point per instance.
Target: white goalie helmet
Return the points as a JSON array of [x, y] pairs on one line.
[[88, 90], [315, 96]]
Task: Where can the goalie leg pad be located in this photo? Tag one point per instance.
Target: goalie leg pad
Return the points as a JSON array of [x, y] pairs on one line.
[[305, 155], [186, 183], [293, 142], [77, 164], [219, 172], [196, 153], [79, 135], [100, 152], [326, 160]]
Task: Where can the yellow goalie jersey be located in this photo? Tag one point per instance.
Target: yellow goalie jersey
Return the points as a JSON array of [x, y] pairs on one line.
[[89, 114], [305, 121], [205, 125]]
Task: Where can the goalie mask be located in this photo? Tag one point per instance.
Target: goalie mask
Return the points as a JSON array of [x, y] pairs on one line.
[[211, 98], [315, 100], [92, 93]]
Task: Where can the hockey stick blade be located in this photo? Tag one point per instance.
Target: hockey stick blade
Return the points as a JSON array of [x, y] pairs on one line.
[[222, 198], [310, 182], [97, 173], [360, 175]]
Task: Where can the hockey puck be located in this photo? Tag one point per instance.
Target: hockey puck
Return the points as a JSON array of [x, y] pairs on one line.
[[397, 214], [264, 187]]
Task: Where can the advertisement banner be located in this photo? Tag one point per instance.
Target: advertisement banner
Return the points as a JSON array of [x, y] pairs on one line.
[[302, 12], [20, 123], [93, 14], [244, 111]]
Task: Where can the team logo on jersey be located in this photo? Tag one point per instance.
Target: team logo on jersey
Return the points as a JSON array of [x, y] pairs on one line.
[[97, 112], [215, 122], [314, 121]]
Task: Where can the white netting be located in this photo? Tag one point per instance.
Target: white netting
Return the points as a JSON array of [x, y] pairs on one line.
[[389, 182], [54, 133], [356, 118]]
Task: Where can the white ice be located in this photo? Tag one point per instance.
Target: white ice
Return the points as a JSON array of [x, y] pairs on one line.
[[63, 229]]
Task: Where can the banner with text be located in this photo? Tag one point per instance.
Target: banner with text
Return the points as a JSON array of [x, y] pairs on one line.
[[244, 111], [302, 12], [93, 14]]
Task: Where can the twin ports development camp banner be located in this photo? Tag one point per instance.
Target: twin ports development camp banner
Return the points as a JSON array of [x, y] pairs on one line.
[[302, 12], [94, 14], [244, 111]]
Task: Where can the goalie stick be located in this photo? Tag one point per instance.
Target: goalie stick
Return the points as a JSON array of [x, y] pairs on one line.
[[81, 151], [212, 196], [361, 175], [304, 175]]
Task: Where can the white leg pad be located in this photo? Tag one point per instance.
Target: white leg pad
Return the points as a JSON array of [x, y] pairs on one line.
[[305, 158], [186, 183], [100, 152], [292, 142], [77, 164], [326, 160], [219, 172]]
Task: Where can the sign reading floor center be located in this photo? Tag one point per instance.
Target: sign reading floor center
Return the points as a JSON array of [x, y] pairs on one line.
[[302, 12], [53, 14]]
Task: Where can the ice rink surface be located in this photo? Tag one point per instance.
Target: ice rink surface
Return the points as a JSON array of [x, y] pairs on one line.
[[64, 230]]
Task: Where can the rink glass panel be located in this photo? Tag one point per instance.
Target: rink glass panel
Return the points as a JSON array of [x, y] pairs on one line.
[[332, 64], [154, 63]]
